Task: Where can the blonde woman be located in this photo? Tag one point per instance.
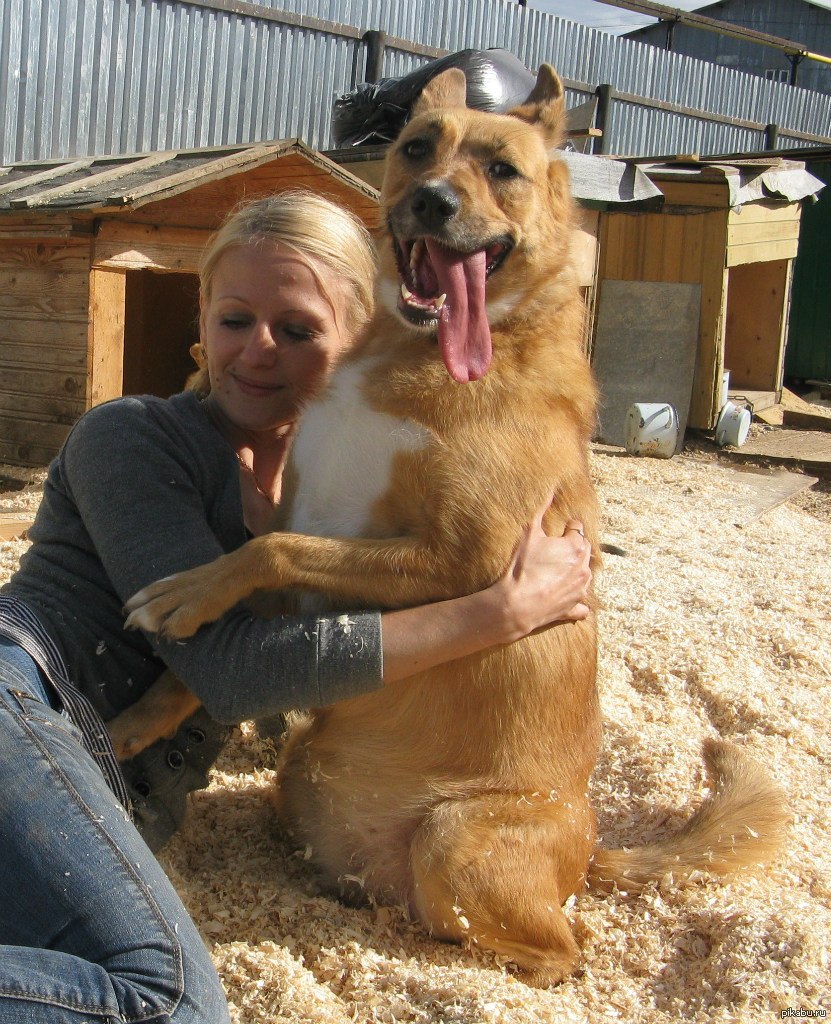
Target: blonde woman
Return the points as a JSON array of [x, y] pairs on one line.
[[90, 928]]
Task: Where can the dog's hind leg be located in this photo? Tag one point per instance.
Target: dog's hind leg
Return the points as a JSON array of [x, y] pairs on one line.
[[494, 870], [157, 713]]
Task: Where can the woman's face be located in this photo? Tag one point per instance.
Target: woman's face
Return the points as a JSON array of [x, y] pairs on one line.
[[271, 335]]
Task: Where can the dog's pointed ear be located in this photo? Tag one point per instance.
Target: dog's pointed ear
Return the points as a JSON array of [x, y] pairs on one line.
[[449, 89], [545, 106]]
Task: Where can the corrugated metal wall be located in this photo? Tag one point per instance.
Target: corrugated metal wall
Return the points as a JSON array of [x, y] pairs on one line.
[[79, 77]]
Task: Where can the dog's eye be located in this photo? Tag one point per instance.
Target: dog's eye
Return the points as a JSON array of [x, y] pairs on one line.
[[501, 169], [415, 149]]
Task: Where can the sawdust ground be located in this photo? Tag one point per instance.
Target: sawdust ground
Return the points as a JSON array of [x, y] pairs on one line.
[[707, 629]]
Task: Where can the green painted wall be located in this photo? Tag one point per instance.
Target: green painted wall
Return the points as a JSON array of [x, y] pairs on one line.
[[808, 355]]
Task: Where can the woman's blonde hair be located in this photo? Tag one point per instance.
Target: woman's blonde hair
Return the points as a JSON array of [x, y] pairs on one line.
[[316, 228]]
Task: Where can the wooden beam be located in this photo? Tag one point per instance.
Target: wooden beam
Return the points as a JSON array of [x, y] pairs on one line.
[[49, 174], [762, 252], [143, 247], [805, 420], [34, 232], [208, 171], [760, 232], [105, 350], [15, 524], [92, 181]]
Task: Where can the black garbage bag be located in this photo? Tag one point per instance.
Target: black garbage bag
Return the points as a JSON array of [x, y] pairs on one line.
[[375, 112]]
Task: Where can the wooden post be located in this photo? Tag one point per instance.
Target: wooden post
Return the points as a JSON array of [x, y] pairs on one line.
[[605, 96], [375, 42], [105, 349]]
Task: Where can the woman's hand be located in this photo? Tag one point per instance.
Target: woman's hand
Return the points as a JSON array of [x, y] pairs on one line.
[[548, 579]]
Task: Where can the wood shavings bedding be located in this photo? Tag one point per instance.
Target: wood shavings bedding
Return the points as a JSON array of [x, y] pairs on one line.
[[707, 629]]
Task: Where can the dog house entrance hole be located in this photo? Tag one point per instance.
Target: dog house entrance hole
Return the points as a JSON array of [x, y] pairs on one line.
[[160, 324]]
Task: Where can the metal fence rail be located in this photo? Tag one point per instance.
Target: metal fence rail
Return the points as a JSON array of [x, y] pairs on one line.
[[79, 77]]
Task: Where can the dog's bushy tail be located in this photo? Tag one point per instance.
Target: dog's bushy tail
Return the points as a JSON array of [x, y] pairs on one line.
[[742, 823]]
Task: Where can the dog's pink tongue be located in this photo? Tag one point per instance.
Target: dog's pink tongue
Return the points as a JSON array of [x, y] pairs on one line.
[[464, 331]]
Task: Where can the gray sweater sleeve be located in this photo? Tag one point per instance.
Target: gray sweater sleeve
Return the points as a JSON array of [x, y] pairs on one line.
[[158, 493]]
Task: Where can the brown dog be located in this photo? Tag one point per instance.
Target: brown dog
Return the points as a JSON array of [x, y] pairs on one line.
[[461, 792]]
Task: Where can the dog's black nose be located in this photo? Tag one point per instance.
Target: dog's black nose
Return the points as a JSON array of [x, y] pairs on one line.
[[435, 205]]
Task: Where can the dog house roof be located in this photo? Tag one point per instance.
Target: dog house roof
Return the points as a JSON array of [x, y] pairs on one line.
[[107, 183], [748, 179]]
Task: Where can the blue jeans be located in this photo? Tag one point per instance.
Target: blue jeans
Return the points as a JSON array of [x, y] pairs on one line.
[[91, 930]]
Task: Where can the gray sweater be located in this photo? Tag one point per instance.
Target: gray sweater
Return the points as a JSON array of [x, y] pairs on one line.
[[145, 487]]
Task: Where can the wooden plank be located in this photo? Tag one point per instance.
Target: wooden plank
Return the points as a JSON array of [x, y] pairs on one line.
[[14, 525], [754, 337], [809, 450], [25, 432], [25, 280], [756, 232], [44, 295], [26, 453], [67, 340], [62, 257], [689, 193], [105, 350], [48, 174], [174, 183], [612, 249], [651, 245], [675, 245], [769, 211], [13, 230], [26, 358], [693, 248], [761, 252], [763, 490], [145, 247], [585, 248], [92, 180], [709, 361], [42, 307], [805, 420], [62, 389], [757, 401]]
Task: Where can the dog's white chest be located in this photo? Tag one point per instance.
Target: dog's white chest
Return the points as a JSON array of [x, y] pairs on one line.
[[343, 456]]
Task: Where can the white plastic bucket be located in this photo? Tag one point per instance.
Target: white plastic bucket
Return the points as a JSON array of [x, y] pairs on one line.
[[732, 425], [652, 429]]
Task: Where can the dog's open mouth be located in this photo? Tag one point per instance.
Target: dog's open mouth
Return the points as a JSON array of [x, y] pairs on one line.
[[445, 289]]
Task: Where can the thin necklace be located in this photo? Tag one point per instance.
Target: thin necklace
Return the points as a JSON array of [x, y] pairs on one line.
[[219, 423], [257, 484]]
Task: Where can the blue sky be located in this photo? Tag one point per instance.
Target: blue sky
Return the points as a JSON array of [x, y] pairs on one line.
[[616, 19]]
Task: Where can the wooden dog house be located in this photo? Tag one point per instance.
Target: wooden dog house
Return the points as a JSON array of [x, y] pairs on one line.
[[98, 263], [731, 229]]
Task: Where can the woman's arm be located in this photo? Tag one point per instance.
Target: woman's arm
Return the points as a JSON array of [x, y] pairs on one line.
[[547, 581]]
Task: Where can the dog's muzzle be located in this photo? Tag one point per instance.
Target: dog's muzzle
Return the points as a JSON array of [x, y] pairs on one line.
[[434, 205]]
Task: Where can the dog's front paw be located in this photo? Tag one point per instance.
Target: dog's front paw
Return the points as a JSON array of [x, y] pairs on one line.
[[178, 605]]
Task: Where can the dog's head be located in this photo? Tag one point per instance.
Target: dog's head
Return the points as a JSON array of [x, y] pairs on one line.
[[479, 216]]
